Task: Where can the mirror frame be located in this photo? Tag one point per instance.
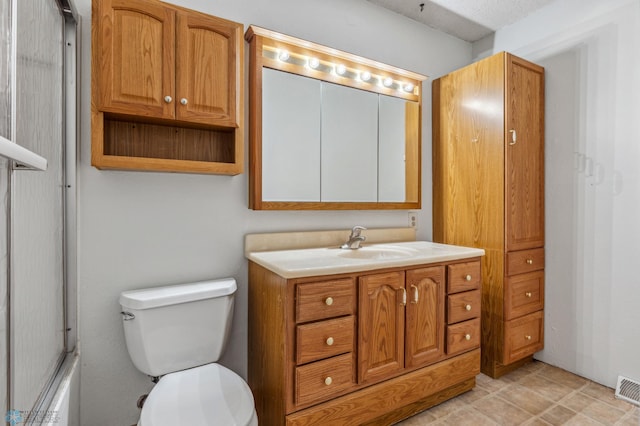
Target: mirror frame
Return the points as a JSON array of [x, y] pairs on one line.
[[265, 46]]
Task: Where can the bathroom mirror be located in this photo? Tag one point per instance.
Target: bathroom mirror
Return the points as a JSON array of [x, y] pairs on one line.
[[330, 130]]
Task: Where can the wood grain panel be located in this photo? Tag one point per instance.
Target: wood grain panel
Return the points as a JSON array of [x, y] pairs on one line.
[[463, 276], [463, 306], [520, 262], [524, 294], [325, 299], [322, 380], [380, 326], [424, 335], [137, 57], [376, 400], [524, 190], [523, 337], [267, 343], [463, 336], [323, 339]]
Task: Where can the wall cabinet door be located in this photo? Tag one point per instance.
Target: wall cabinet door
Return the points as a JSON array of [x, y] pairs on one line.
[[137, 66], [206, 69], [380, 325], [524, 189], [425, 316]]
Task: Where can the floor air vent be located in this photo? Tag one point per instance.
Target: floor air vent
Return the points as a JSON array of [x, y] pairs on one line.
[[629, 390]]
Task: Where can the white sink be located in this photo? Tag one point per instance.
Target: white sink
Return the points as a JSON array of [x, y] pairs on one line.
[[298, 263]]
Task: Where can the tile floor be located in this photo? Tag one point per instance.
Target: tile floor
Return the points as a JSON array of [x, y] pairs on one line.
[[536, 394]]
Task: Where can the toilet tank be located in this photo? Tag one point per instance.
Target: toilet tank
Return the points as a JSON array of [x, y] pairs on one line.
[[177, 327]]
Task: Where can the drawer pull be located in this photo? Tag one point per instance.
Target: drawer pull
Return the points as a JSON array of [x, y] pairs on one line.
[[528, 294], [467, 337], [328, 381], [529, 261], [527, 337], [468, 307], [328, 301], [468, 278], [329, 341], [415, 294]]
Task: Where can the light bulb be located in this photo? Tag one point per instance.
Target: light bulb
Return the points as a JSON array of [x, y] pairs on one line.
[[313, 63], [365, 76], [408, 87], [387, 82], [341, 69], [283, 55]]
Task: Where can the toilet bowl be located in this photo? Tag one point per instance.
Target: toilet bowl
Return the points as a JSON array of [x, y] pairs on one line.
[[177, 333]]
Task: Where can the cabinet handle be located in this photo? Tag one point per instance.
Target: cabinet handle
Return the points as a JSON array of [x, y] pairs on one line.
[[404, 297], [468, 307], [528, 294], [468, 278], [328, 301], [514, 137], [328, 381], [467, 337], [329, 341], [415, 294], [168, 99], [527, 337], [529, 261], [184, 101]]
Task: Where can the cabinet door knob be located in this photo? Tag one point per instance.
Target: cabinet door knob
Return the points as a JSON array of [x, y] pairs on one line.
[[328, 301], [468, 307], [329, 341], [468, 278], [528, 294], [184, 101], [529, 261], [467, 337], [527, 337], [328, 381], [168, 99], [404, 297]]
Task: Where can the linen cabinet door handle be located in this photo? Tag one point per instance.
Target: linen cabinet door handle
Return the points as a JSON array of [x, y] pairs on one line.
[[404, 297], [514, 137], [415, 294]]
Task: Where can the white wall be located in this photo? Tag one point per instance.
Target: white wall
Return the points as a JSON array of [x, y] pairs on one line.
[[590, 51], [146, 229]]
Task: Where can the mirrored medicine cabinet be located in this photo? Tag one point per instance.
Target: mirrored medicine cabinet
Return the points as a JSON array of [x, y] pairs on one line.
[[330, 130]]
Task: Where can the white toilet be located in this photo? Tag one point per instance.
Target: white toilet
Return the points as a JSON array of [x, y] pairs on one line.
[[178, 333]]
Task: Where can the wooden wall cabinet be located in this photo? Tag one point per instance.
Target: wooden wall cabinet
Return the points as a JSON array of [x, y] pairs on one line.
[[166, 88], [488, 177], [361, 348]]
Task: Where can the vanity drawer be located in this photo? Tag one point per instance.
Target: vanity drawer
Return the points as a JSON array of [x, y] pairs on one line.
[[463, 336], [524, 294], [523, 261], [463, 306], [523, 337], [463, 277], [325, 379], [323, 339], [325, 299]]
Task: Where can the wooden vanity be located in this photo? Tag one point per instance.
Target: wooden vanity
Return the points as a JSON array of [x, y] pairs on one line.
[[371, 340]]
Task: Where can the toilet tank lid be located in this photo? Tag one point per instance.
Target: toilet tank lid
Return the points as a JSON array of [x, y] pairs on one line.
[[148, 298]]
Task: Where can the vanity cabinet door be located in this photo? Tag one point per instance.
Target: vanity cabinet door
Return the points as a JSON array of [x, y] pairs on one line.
[[425, 316], [137, 48], [380, 326], [206, 63]]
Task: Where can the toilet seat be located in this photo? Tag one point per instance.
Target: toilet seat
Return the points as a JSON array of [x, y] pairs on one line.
[[203, 396]]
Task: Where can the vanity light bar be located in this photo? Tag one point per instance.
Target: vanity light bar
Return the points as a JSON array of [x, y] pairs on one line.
[[338, 69]]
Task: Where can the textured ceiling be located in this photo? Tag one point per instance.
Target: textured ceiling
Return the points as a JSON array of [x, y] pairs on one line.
[[469, 20]]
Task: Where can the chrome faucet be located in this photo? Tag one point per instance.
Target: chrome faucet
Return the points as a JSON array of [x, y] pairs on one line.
[[355, 238]]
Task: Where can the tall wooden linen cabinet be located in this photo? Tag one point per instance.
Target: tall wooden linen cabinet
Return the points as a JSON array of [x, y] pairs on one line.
[[488, 192]]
